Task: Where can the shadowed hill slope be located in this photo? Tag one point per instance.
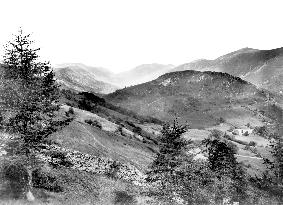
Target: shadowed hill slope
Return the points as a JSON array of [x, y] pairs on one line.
[[200, 98]]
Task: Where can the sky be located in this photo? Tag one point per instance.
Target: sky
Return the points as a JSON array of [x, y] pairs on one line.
[[122, 34]]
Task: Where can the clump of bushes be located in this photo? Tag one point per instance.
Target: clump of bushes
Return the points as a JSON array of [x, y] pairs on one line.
[[70, 112], [46, 180], [230, 129], [59, 159], [246, 133], [252, 143], [94, 123], [122, 197], [114, 168], [261, 131], [120, 129], [14, 177], [221, 120]]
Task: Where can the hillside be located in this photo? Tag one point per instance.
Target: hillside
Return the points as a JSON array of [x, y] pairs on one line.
[[85, 164], [199, 98], [263, 68], [79, 79], [98, 160]]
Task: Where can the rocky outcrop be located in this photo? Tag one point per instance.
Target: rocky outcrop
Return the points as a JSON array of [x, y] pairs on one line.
[[98, 165]]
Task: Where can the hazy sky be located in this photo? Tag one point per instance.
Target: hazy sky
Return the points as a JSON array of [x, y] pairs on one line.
[[121, 34]]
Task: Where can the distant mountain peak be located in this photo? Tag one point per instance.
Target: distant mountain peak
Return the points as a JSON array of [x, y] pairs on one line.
[[264, 68]]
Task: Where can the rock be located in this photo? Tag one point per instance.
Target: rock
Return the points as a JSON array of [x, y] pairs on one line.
[[30, 196]]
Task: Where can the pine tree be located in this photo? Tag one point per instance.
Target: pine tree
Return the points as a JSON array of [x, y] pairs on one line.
[[272, 178], [29, 95], [163, 169], [223, 163]]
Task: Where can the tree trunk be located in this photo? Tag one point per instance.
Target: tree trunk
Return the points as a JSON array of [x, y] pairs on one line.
[[29, 194]]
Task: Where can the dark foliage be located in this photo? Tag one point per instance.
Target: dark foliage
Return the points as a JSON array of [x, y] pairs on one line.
[[123, 198], [162, 170], [46, 180], [14, 179], [30, 92], [70, 112], [94, 123], [93, 103], [223, 163], [59, 159], [261, 131]]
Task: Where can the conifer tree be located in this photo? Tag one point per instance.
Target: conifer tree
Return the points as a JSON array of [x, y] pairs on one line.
[[223, 164], [29, 95], [163, 169], [30, 92]]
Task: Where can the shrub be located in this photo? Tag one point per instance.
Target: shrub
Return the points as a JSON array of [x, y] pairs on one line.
[[94, 123], [15, 177], [122, 197], [70, 112], [120, 129], [59, 159], [247, 147], [114, 168], [252, 143], [46, 180], [246, 133], [261, 131], [221, 120]]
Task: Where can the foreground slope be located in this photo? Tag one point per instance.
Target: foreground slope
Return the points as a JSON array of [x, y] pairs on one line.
[[263, 68], [199, 98]]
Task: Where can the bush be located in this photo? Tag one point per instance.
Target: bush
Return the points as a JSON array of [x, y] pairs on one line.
[[120, 130], [261, 131], [246, 133], [221, 120], [59, 159], [252, 143], [94, 123], [70, 112], [15, 177], [122, 197], [114, 168], [46, 180]]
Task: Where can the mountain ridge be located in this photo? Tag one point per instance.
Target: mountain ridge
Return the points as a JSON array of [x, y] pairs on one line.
[[264, 68], [199, 97]]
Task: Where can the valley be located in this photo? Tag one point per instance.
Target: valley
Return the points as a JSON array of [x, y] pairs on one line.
[[112, 136]]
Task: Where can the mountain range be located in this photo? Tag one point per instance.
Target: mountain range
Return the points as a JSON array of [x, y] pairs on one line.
[[263, 68], [80, 77]]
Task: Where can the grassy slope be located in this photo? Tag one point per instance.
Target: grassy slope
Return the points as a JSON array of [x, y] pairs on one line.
[[94, 141], [197, 98], [82, 187]]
